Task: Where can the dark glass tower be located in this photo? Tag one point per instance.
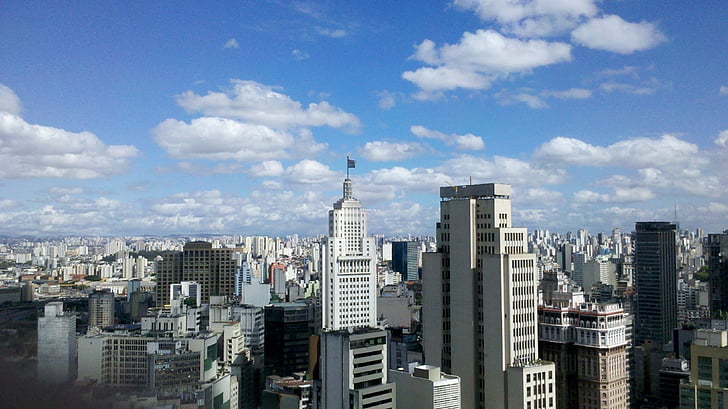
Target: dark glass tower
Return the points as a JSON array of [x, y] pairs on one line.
[[717, 251], [655, 272], [288, 327], [404, 259]]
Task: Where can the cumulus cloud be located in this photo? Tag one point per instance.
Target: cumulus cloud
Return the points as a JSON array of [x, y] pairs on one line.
[[723, 91], [479, 59], [722, 139], [310, 172], [28, 150], [612, 33], [631, 153], [262, 104], [231, 43], [620, 195], [383, 151], [501, 169], [387, 100], [9, 102], [532, 17], [268, 168], [332, 33], [214, 138], [460, 142]]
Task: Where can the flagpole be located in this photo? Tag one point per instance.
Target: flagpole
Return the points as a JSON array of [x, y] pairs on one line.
[[347, 167]]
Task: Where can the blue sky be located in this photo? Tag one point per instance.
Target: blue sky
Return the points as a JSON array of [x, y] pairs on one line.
[[236, 117]]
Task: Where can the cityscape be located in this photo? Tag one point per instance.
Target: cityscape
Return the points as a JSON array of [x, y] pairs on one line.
[[310, 204]]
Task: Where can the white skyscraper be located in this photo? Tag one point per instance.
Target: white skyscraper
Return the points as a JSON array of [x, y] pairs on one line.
[[480, 302], [349, 267], [353, 350], [57, 349]]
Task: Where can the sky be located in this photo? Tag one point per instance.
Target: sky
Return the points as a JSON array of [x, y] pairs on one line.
[[236, 117]]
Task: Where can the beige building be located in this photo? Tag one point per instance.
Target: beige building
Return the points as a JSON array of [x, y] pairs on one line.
[[708, 386], [480, 302], [588, 343]]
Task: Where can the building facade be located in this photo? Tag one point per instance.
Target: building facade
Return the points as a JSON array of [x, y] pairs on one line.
[[56, 345], [717, 257], [480, 302], [655, 271], [404, 259], [101, 309]]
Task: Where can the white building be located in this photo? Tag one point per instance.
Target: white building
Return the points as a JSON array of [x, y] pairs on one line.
[[348, 260], [353, 351], [56, 345], [426, 387], [480, 302]]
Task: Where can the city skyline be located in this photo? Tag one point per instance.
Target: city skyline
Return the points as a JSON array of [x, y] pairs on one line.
[[236, 118]]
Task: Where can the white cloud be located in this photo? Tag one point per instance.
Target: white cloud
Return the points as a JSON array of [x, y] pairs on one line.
[[386, 100], [722, 139], [299, 55], [620, 195], [723, 91], [612, 33], [460, 142], [500, 169], [213, 138], [631, 153], [28, 150], [268, 168], [573, 93], [310, 172], [538, 195], [9, 102], [508, 98], [532, 17], [231, 43], [332, 33], [261, 104], [383, 151], [479, 59]]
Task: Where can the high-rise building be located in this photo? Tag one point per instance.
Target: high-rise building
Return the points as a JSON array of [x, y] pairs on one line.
[[404, 259], [353, 352], [349, 267], [101, 309], [480, 302], [708, 386], [655, 272], [288, 327], [212, 268], [57, 349], [717, 258]]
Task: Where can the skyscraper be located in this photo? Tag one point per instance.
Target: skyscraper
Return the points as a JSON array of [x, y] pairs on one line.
[[479, 306], [56, 345], [353, 350], [404, 259], [212, 268], [101, 309], [717, 252], [348, 258], [656, 282]]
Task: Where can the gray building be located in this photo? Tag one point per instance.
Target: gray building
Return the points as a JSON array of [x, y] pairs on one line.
[[57, 349], [101, 309], [404, 259]]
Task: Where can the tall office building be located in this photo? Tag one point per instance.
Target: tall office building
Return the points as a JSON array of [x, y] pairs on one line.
[[101, 309], [717, 258], [288, 327], [212, 268], [655, 272], [479, 306], [349, 267], [57, 350], [404, 259], [353, 352]]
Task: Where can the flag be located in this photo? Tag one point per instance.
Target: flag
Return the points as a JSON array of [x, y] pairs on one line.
[[350, 163]]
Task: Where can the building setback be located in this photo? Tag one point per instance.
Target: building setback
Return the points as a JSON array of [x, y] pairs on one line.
[[479, 302]]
